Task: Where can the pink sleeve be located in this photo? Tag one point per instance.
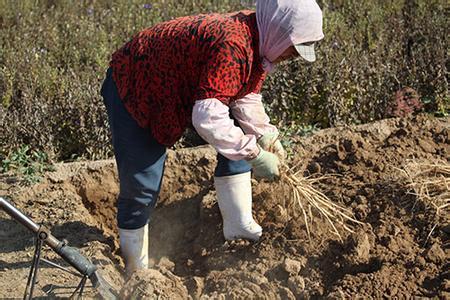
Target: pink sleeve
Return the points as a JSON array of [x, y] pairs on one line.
[[211, 119], [249, 112]]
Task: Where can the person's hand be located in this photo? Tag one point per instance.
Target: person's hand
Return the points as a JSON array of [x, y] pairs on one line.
[[271, 143], [265, 165]]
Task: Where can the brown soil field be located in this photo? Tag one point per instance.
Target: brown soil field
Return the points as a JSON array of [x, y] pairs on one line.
[[401, 251]]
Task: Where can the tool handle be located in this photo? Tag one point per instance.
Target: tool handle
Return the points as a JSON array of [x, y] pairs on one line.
[[77, 260], [69, 254], [18, 215]]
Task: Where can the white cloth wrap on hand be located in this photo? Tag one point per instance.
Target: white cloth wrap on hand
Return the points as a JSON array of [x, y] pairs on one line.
[[211, 119]]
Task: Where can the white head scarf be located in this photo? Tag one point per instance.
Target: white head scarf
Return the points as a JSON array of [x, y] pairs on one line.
[[284, 23]]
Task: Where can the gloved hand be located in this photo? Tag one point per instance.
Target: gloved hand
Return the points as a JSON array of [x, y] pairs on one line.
[[271, 143], [265, 165]]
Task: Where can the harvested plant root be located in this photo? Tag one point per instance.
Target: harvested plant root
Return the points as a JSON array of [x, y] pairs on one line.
[[430, 183], [304, 198]]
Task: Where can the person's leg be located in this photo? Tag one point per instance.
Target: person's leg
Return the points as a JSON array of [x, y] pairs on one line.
[[140, 163], [232, 180], [228, 167]]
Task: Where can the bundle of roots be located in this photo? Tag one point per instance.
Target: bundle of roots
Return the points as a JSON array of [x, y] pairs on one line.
[[305, 200]]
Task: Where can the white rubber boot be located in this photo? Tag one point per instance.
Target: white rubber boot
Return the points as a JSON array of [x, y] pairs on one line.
[[134, 248], [234, 195]]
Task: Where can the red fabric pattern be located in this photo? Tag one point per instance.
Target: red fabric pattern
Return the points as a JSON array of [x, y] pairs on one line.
[[164, 69]]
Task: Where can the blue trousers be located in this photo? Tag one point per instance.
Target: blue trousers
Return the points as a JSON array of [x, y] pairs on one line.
[[140, 161]]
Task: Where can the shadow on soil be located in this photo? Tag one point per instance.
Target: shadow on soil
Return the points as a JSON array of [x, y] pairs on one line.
[[17, 238]]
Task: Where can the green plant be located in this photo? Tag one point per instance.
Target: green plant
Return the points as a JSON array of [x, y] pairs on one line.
[[24, 161], [292, 133], [441, 110]]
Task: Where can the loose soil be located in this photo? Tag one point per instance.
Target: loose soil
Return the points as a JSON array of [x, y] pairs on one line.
[[402, 250]]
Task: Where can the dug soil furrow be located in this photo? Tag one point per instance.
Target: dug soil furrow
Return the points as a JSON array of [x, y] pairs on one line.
[[400, 251]]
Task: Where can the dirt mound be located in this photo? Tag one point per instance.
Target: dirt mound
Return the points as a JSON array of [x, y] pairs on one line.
[[154, 284], [400, 252]]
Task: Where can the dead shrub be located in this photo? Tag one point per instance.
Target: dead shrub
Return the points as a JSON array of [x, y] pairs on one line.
[[405, 102]]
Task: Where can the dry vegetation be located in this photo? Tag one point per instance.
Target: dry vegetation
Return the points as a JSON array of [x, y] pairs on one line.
[[53, 57], [430, 183]]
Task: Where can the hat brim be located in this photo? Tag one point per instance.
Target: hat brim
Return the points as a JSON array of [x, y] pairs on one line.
[[306, 52]]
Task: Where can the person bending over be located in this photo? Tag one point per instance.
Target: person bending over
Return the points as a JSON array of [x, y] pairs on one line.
[[206, 71]]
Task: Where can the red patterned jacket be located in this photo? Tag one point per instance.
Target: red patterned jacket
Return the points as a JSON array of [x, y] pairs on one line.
[[164, 69]]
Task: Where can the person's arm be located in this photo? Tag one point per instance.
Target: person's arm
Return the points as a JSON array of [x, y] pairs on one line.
[[251, 115], [221, 79], [211, 119], [249, 112]]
